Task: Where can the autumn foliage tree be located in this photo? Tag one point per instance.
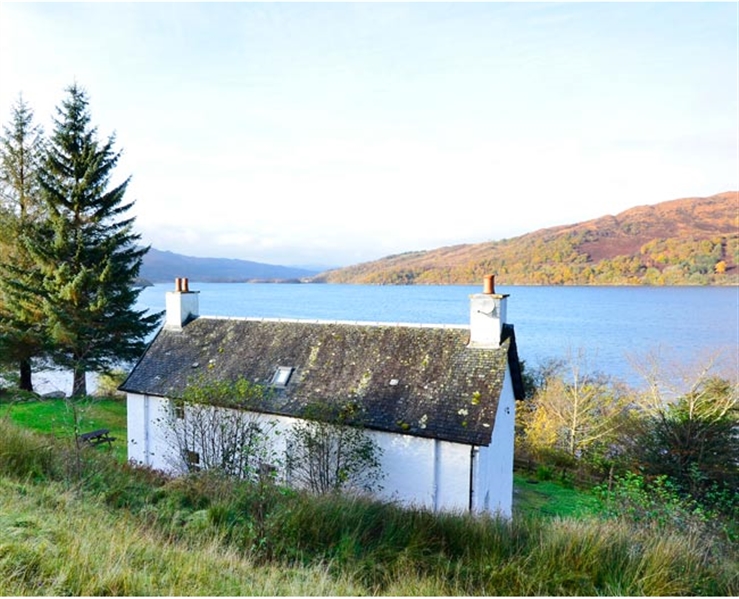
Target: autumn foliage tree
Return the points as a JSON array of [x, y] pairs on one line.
[[574, 417]]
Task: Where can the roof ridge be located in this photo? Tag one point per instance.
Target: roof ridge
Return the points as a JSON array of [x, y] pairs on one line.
[[341, 322]]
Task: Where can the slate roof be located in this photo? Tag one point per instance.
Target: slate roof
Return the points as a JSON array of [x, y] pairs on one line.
[[419, 380]]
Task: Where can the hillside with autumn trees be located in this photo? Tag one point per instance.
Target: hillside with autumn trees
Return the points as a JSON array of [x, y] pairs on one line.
[[690, 241]]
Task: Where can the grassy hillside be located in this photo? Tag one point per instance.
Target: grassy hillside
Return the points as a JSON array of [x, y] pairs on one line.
[[692, 241], [83, 524]]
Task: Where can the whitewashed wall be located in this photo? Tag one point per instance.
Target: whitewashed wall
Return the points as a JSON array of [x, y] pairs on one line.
[[147, 439], [493, 470], [420, 472], [425, 472]]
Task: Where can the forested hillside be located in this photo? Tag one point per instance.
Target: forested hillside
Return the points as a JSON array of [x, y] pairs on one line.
[[691, 241]]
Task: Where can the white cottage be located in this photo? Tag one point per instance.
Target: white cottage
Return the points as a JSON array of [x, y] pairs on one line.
[[438, 399]]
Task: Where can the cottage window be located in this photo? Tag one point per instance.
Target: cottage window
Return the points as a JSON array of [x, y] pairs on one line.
[[282, 376], [193, 460], [267, 472]]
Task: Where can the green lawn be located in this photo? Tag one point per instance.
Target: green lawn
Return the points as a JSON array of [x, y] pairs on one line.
[[57, 416], [549, 498]]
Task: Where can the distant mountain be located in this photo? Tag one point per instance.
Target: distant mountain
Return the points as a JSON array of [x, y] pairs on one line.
[[161, 266], [693, 241]]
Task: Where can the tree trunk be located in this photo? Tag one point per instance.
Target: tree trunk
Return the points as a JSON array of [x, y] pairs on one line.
[[79, 385], [26, 384]]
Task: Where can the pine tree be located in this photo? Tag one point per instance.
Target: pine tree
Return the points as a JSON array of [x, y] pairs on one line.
[[21, 323], [86, 250]]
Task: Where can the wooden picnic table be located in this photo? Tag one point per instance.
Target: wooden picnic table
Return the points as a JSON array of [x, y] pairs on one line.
[[97, 437]]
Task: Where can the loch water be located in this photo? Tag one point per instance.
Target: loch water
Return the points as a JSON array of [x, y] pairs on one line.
[[612, 327]]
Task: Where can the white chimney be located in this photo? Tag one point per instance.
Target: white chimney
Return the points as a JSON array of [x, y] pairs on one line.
[[182, 305], [487, 315]]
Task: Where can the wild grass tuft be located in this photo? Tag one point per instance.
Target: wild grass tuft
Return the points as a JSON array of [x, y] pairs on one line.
[[26, 455]]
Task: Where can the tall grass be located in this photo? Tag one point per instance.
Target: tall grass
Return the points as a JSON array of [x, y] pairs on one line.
[[52, 542], [24, 454], [125, 531]]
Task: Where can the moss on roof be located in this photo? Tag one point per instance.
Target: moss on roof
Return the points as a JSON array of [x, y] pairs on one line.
[[413, 380]]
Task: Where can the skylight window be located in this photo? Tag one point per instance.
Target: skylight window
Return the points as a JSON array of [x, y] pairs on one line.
[[282, 376]]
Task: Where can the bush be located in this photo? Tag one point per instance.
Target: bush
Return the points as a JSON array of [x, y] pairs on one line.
[[329, 457], [659, 504], [693, 439], [703, 446], [650, 503], [213, 428], [108, 383]]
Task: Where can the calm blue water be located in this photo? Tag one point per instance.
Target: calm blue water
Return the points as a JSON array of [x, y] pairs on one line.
[[612, 326]]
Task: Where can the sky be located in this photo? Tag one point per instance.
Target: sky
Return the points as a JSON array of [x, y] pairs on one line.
[[337, 133]]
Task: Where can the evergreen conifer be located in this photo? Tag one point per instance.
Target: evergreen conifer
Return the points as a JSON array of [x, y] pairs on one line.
[[22, 334], [86, 251]]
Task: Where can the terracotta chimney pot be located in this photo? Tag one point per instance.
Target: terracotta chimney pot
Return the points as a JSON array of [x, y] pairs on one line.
[[488, 286]]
